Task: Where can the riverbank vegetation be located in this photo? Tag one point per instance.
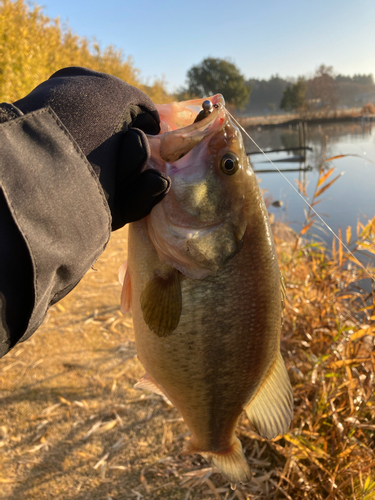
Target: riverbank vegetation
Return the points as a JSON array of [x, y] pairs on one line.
[[33, 46]]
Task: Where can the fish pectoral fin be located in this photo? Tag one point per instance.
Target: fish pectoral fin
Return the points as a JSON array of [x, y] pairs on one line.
[[126, 292], [271, 409], [148, 384], [161, 303], [231, 463]]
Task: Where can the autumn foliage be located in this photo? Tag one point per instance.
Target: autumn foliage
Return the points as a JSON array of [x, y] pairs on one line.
[[33, 46]]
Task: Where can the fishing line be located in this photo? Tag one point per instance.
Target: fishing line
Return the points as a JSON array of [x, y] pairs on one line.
[[304, 200]]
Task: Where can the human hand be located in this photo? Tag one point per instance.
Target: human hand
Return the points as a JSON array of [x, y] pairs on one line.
[[108, 119]]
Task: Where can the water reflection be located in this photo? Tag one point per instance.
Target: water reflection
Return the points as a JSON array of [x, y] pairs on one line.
[[351, 198]]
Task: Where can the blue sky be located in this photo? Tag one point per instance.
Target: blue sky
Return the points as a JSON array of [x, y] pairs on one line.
[[264, 37]]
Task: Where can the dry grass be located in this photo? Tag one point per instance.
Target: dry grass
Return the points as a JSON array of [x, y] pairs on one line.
[[73, 428], [368, 109]]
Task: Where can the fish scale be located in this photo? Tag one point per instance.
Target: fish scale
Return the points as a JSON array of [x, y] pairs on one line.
[[208, 333]]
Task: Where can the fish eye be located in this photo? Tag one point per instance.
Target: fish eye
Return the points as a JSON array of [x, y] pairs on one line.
[[229, 163]]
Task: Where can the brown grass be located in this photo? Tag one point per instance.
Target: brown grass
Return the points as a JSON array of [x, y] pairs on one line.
[[72, 427], [368, 109]]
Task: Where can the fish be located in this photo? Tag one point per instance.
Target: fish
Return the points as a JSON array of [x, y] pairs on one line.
[[205, 290]]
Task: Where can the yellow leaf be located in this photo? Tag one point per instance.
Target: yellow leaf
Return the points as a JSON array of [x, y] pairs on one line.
[[307, 227], [5, 480], [324, 188], [368, 229], [334, 249], [362, 332], [348, 362], [301, 187], [348, 235], [347, 452], [65, 401], [337, 157], [367, 483], [340, 247], [324, 177]]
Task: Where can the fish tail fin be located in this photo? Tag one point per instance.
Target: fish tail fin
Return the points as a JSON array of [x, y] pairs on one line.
[[271, 409], [231, 463]]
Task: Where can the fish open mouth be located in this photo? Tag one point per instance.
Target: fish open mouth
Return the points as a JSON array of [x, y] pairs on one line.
[[175, 143]]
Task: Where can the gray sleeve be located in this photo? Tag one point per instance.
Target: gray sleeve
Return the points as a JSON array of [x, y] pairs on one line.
[[58, 206]]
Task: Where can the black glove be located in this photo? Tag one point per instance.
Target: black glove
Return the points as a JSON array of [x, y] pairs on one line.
[[108, 119]]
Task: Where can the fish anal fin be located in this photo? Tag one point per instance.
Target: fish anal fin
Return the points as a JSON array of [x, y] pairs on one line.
[[271, 408], [148, 384], [231, 463], [161, 303], [126, 293]]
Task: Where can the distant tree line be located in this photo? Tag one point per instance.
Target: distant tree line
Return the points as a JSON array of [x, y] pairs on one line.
[[324, 91]]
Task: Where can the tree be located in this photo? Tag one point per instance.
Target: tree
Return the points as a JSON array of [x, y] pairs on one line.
[[323, 87], [360, 79], [294, 97], [218, 76]]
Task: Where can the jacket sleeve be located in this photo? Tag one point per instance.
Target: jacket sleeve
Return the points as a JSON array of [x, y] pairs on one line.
[[54, 220]]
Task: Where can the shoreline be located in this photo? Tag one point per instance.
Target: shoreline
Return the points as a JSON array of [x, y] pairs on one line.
[[352, 115]]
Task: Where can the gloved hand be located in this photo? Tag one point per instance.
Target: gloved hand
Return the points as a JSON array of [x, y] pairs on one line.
[[108, 119]]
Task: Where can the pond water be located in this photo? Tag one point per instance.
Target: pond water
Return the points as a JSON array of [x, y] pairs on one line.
[[349, 199]]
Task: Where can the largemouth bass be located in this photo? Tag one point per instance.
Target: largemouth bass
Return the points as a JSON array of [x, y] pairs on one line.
[[204, 286]]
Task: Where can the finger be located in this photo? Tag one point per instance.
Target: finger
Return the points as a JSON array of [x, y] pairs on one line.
[[137, 199], [133, 156]]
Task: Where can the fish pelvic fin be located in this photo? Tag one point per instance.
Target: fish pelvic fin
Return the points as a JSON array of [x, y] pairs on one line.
[[161, 303], [271, 409], [231, 463]]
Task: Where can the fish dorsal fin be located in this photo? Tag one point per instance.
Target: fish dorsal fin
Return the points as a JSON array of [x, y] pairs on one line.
[[126, 293], [161, 303], [271, 409], [148, 384]]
